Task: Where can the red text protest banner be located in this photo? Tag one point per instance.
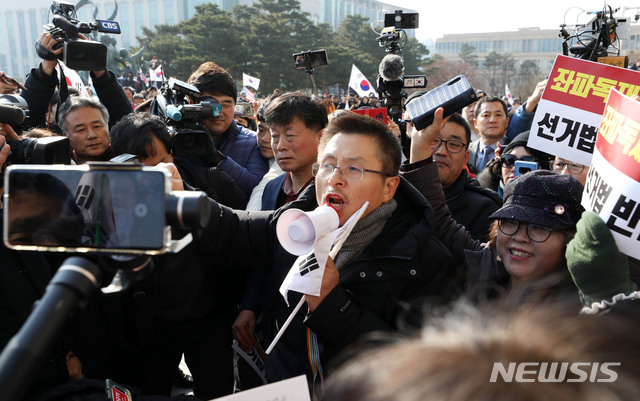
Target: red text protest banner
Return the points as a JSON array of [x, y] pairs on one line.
[[612, 188], [571, 108]]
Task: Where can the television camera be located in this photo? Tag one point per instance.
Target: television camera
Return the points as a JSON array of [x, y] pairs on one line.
[[189, 138], [598, 37], [391, 80], [47, 150], [78, 54]]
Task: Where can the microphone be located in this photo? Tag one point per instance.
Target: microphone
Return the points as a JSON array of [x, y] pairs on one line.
[[14, 116], [391, 67]]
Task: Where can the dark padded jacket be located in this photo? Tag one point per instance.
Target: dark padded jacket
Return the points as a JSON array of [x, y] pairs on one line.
[[403, 267]]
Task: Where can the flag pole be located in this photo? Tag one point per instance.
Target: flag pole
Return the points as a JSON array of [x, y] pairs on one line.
[[285, 325]]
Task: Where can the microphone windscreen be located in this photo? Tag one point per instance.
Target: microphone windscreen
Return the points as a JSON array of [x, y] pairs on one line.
[[14, 116], [391, 67]]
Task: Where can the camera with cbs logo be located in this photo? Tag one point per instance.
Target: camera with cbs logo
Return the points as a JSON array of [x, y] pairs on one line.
[[78, 54]]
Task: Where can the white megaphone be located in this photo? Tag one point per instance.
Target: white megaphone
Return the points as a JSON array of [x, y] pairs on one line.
[[299, 231]]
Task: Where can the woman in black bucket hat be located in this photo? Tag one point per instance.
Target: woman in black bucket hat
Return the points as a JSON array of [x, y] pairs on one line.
[[525, 257]]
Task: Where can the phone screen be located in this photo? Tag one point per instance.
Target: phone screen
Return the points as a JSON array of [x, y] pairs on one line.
[[314, 58], [402, 21], [75, 209], [523, 167]]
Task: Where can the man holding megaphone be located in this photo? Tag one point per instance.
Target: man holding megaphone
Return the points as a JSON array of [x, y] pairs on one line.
[[389, 267]]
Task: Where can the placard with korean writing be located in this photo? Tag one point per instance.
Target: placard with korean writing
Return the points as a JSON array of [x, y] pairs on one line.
[[612, 188], [570, 110]]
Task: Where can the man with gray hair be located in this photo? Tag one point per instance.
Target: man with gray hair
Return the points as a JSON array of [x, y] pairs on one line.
[[84, 121]]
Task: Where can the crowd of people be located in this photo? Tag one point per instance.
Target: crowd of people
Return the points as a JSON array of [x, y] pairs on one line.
[[458, 260]]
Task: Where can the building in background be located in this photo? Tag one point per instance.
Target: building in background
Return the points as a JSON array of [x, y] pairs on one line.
[[538, 45], [21, 22]]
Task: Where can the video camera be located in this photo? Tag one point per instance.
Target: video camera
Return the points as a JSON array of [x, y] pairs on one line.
[[78, 54], [391, 79], [97, 207], [189, 138], [595, 38], [48, 150]]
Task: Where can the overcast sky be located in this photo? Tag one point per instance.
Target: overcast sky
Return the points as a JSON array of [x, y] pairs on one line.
[[468, 16]]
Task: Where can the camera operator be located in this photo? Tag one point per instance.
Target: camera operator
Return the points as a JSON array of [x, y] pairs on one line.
[[148, 138], [240, 155], [42, 81], [191, 305]]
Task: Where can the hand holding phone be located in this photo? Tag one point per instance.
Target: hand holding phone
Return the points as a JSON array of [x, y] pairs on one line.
[[9, 84]]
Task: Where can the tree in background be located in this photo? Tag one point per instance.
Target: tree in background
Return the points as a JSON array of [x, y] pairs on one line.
[[467, 54], [441, 71], [260, 39], [526, 79]]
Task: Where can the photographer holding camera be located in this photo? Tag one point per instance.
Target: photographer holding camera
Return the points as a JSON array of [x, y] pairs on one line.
[[240, 155], [42, 81]]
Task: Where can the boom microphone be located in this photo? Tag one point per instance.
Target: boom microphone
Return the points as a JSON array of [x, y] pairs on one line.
[[14, 116], [391, 67]]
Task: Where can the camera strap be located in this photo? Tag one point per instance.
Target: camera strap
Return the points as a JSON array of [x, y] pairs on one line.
[[63, 90], [44, 53]]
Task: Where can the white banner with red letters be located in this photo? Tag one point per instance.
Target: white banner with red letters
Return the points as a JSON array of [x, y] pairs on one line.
[[612, 188], [571, 108]]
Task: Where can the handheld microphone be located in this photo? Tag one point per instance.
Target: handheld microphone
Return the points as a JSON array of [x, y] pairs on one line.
[[14, 116], [391, 67]]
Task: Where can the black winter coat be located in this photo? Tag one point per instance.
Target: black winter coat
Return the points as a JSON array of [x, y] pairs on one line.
[[471, 205], [403, 267]]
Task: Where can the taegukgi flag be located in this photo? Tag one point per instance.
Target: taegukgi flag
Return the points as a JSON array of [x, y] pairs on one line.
[[359, 82], [507, 93], [248, 80], [72, 78]]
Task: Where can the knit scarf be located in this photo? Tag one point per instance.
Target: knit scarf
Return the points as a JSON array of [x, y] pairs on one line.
[[364, 232]]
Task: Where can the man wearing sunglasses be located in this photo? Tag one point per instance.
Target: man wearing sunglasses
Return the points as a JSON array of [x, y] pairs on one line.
[[469, 203], [236, 146]]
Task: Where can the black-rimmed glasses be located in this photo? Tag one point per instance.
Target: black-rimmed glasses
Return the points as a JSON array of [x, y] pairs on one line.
[[575, 168], [350, 172], [535, 232], [451, 145]]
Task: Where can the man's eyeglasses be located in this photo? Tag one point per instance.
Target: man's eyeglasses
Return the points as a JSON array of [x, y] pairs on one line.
[[452, 145], [535, 232], [574, 168], [349, 172], [509, 161]]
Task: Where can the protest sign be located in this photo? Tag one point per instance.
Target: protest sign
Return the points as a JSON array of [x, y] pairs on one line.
[[570, 110], [612, 188]]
